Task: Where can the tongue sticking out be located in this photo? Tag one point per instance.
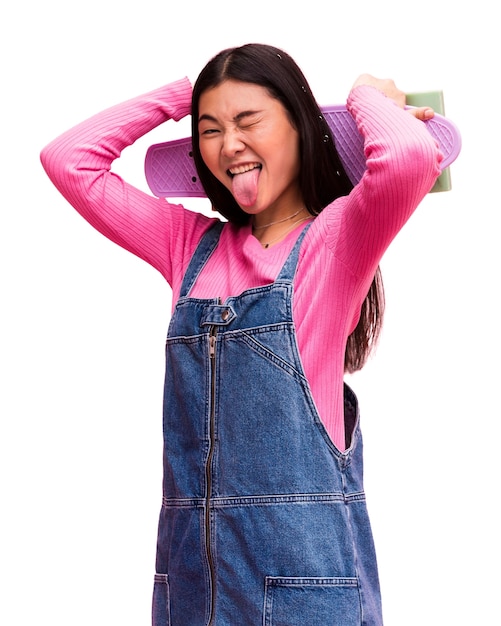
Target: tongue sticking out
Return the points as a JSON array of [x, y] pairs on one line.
[[244, 187]]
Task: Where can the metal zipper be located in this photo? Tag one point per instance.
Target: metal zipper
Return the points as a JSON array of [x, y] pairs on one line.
[[208, 472]]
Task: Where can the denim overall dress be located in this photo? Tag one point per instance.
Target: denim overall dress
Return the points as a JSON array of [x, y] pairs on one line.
[[263, 520]]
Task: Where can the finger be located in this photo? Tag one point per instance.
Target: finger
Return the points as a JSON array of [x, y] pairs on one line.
[[422, 113]]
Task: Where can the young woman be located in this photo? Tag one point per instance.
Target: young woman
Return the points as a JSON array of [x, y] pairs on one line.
[[263, 519]]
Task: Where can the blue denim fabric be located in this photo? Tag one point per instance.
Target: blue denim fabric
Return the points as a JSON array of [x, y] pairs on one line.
[[264, 520]]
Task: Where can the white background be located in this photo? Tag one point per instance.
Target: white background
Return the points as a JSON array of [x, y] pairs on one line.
[[83, 322]]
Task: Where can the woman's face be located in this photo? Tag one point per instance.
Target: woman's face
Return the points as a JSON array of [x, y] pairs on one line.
[[249, 144]]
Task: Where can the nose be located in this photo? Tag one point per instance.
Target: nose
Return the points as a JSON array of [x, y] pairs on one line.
[[232, 143]]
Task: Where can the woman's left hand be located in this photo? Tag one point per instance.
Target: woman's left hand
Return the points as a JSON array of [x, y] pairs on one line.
[[388, 87]]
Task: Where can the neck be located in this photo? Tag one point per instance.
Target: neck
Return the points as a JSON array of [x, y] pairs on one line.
[[282, 220], [273, 232]]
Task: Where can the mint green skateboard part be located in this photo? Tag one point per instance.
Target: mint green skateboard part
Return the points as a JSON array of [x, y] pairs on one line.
[[435, 100]]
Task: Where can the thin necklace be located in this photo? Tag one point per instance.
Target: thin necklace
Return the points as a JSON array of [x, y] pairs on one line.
[[282, 235], [278, 221]]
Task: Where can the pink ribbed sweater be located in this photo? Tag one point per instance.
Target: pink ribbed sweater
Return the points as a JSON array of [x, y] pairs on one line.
[[339, 254]]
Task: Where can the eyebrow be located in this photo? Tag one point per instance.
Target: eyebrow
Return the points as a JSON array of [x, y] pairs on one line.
[[238, 117]]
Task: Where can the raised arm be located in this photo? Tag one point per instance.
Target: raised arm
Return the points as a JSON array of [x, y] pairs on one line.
[[79, 164], [403, 162]]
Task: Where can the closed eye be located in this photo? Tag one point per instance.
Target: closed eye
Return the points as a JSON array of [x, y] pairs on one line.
[[248, 126]]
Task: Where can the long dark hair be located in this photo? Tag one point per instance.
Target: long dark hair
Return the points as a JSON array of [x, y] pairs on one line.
[[322, 177]]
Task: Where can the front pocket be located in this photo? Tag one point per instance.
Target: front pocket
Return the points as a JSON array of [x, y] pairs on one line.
[[161, 601], [291, 601]]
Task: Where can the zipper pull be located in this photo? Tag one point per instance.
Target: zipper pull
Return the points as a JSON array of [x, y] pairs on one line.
[[212, 337], [212, 346]]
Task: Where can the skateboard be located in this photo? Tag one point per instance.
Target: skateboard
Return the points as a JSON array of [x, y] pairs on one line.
[[170, 170]]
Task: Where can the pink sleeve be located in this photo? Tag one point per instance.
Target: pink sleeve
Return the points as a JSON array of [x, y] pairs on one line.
[[79, 164], [403, 162]]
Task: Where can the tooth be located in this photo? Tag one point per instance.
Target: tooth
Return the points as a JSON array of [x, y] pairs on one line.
[[243, 168]]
